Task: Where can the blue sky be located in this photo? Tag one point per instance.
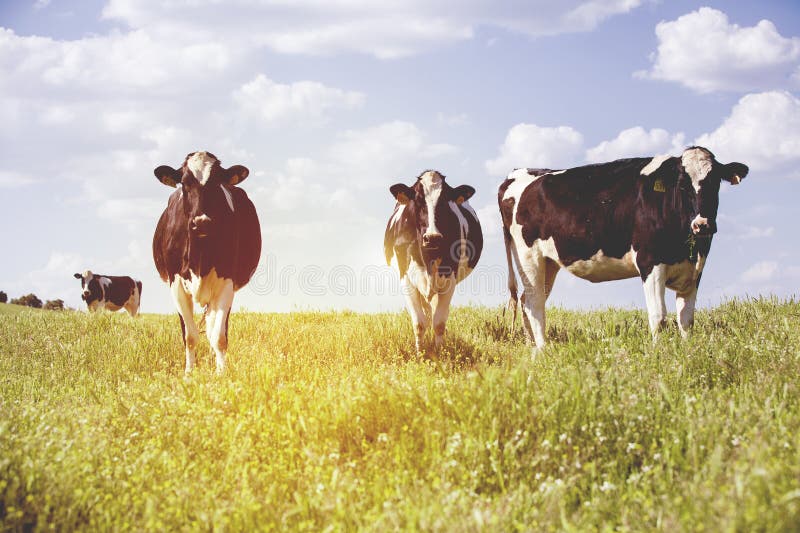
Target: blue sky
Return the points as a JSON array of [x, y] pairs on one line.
[[329, 103]]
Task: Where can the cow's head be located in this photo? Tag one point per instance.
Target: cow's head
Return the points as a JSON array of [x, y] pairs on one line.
[[706, 174], [205, 190], [430, 204], [90, 287]]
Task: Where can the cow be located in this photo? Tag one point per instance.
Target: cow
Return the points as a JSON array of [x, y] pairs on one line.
[[436, 237], [110, 292], [206, 246], [647, 217]]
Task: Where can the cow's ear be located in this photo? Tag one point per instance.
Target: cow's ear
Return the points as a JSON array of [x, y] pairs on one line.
[[168, 175], [236, 174], [461, 194], [734, 173], [77, 276], [402, 193]]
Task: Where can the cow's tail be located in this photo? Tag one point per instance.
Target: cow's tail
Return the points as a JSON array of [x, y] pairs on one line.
[[139, 286], [512, 278], [202, 323]]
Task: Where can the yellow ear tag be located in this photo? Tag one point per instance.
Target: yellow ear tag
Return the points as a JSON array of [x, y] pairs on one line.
[[459, 200], [658, 186]]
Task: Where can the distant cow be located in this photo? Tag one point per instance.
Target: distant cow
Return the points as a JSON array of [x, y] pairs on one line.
[[436, 237], [646, 217], [110, 292], [206, 245]]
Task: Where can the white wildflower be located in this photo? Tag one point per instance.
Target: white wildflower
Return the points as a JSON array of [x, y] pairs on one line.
[[606, 486]]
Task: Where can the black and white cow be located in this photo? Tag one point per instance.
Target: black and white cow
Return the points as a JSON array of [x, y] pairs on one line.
[[647, 217], [206, 245], [435, 235], [110, 292]]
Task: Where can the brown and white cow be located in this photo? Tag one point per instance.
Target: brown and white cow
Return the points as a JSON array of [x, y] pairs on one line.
[[206, 246], [647, 217], [435, 235], [110, 292]]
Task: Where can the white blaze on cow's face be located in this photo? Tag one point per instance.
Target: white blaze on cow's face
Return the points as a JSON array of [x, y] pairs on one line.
[[432, 185], [699, 165], [85, 280], [200, 165]]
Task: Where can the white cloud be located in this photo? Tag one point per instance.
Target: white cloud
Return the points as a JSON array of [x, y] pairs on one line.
[[705, 52], [384, 30], [637, 142], [491, 223], [358, 160], [114, 63], [756, 232], [760, 272], [454, 120], [378, 155], [302, 100], [762, 131], [12, 180], [297, 185], [587, 15], [529, 145]]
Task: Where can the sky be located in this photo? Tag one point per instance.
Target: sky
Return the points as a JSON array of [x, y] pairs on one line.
[[328, 103]]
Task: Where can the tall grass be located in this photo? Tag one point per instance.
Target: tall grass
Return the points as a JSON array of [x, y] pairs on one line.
[[331, 421]]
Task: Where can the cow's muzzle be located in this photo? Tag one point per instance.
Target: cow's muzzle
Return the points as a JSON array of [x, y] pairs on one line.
[[85, 295], [702, 227], [200, 225], [432, 241]]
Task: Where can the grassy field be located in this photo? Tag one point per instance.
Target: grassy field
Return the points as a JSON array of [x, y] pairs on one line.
[[330, 421]]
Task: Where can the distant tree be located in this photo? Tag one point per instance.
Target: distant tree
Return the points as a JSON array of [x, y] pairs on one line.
[[31, 300], [3, 297], [54, 305]]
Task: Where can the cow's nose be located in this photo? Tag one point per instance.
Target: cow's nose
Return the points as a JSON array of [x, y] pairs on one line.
[[431, 240], [200, 224], [85, 294], [701, 226]]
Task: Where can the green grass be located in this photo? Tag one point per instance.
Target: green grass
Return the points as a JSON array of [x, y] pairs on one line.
[[330, 421]]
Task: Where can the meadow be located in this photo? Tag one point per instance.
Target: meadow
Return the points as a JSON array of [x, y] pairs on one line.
[[331, 422]]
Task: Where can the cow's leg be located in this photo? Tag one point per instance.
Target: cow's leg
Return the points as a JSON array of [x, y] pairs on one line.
[[654, 286], [441, 311], [535, 292], [526, 324], [685, 302], [217, 324], [137, 302], [132, 305], [551, 268], [183, 302], [419, 309]]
